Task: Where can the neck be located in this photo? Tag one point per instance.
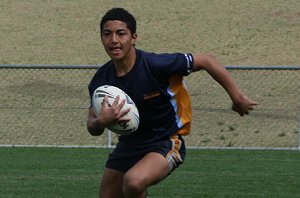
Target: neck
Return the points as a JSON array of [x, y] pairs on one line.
[[123, 66]]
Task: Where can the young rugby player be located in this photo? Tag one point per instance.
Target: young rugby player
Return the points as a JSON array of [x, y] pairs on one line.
[[155, 83]]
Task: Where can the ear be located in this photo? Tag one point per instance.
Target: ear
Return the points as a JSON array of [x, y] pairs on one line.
[[134, 38], [101, 38]]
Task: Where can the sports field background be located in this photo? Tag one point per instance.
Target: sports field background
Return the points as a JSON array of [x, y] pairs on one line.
[[49, 107], [238, 32], [67, 32]]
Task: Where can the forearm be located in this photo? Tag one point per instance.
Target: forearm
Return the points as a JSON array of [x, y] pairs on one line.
[[93, 125], [219, 73]]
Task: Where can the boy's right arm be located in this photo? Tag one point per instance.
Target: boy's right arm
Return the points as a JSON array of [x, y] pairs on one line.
[[93, 125], [110, 114]]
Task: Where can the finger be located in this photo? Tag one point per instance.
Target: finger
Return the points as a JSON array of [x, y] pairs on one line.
[[116, 102], [251, 106], [124, 111], [123, 117], [120, 106], [105, 101], [253, 103]]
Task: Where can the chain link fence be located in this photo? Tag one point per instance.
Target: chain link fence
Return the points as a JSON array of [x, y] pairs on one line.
[[47, 105]]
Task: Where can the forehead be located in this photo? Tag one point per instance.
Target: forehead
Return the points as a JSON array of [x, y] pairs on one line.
[[112, 25]]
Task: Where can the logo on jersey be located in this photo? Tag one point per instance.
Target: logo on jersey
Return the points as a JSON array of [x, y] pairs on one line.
[[151, 95]]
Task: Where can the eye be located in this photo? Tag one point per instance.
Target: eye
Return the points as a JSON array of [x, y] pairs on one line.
[[121, 33], [105, 33]]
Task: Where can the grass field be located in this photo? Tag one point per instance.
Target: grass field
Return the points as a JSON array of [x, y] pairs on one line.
[[72, 172]]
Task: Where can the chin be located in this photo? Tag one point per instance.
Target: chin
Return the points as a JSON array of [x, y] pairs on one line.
[[116, 58]]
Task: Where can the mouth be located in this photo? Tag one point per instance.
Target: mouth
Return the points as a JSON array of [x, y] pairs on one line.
[[115, 50]]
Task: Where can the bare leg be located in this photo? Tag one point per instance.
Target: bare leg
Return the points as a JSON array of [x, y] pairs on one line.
[[148, 171], [111, 184]]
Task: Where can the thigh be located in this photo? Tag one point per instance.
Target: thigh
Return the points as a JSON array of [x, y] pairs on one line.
[[111, 184], [151, 169], [157, 164]]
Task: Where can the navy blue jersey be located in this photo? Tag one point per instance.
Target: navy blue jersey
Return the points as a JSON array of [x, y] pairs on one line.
[[156, 86]]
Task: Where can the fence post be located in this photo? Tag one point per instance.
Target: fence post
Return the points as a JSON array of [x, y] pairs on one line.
[[299, 130], [109, 138]]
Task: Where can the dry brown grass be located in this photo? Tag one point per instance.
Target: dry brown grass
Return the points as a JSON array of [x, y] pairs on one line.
[[239, 32]]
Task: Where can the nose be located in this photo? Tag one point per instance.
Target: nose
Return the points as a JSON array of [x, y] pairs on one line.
[[114, 38]]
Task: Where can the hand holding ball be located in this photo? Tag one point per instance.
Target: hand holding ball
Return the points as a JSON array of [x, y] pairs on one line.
[[122, 128]]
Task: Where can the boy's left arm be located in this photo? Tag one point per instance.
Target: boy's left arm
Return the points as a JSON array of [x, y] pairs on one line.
[[241, 103]]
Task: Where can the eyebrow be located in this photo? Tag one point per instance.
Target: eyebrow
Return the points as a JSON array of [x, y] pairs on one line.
[[118, 30]]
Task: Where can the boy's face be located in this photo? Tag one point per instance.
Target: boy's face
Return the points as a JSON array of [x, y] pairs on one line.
[[117, 39]]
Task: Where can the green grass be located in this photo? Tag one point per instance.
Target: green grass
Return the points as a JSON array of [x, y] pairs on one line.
[[44, 172], [74, 172]]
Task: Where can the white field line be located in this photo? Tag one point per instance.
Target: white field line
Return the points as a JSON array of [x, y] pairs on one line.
[[188, 147]]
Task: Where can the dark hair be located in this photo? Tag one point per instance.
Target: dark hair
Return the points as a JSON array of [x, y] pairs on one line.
[[119, 14]]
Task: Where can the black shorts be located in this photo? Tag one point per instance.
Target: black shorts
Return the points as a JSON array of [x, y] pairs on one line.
[[124, 156]]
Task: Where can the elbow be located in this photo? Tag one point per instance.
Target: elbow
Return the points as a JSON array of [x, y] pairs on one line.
[[94, 131], [203, 61], [208, 59]]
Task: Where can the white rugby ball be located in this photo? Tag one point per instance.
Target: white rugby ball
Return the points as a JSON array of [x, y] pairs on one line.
[[122, 128]]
